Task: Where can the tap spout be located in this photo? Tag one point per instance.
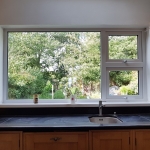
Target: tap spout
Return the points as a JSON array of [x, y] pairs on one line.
[[100, 108]]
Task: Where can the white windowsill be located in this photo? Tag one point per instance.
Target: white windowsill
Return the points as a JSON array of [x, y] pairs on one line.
[[77, 104]]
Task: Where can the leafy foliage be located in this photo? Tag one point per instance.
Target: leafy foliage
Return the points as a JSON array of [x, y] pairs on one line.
[[59, 95], [120, 78], [38, 61], [123, 47]]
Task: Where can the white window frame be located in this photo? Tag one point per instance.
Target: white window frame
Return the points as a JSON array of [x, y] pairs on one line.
[[125, 97], [106, 64], [119, 64], [139, 45]]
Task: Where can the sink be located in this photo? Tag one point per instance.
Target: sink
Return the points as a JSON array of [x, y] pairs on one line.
[[105, 119]]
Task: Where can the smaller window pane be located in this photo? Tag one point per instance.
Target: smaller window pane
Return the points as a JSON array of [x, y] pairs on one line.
[[124, 82], [123, 47]]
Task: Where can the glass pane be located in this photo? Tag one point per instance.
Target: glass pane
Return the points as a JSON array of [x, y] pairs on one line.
[[123, 82], [54, 65], [123, 47]]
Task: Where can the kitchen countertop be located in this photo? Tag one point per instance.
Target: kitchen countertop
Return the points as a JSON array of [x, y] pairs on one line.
[[70, 122]]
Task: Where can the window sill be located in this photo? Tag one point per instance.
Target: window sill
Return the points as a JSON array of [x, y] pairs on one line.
[[77, 104]]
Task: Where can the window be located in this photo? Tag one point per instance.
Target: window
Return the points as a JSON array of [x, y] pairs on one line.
[[54, 65], [123, 47], [124, 83], [97, 64], [127, 82], [124, 66]]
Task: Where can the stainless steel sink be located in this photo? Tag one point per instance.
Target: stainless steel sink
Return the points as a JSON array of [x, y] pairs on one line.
[[105, 119]]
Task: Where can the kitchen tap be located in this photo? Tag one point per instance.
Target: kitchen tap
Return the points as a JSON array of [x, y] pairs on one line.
[[100, 108]]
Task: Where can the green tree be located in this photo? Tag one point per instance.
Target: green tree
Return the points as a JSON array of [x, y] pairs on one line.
[[122, 47], [38, 51], [38, 60]]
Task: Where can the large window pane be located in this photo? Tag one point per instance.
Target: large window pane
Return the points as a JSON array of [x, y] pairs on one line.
[[123, 47], [124, 82], [54, 65]]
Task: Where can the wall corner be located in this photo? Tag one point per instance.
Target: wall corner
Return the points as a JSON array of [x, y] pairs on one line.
[[1, 65]]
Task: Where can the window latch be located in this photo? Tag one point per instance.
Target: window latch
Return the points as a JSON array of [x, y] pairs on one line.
[[125, 61]]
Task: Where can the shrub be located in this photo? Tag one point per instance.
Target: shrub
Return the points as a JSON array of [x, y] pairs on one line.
[[59, 95]]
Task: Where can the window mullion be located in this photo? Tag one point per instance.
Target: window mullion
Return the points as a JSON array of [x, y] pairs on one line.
[[103, 64]]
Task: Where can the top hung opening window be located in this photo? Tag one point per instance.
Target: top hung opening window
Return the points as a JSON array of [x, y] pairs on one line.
[[124, 46], [54, 65]]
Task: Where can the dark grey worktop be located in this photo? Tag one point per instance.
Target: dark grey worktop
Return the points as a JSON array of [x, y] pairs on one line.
[[72, 122]]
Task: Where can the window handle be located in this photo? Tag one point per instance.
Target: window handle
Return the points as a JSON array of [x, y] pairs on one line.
[[125, 61]]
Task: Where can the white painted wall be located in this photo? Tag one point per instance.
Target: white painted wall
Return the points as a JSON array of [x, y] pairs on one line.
[[1, 65], [76, 13]]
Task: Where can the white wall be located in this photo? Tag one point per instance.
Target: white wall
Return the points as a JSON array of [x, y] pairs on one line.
[[1, 64], [76, 13]]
